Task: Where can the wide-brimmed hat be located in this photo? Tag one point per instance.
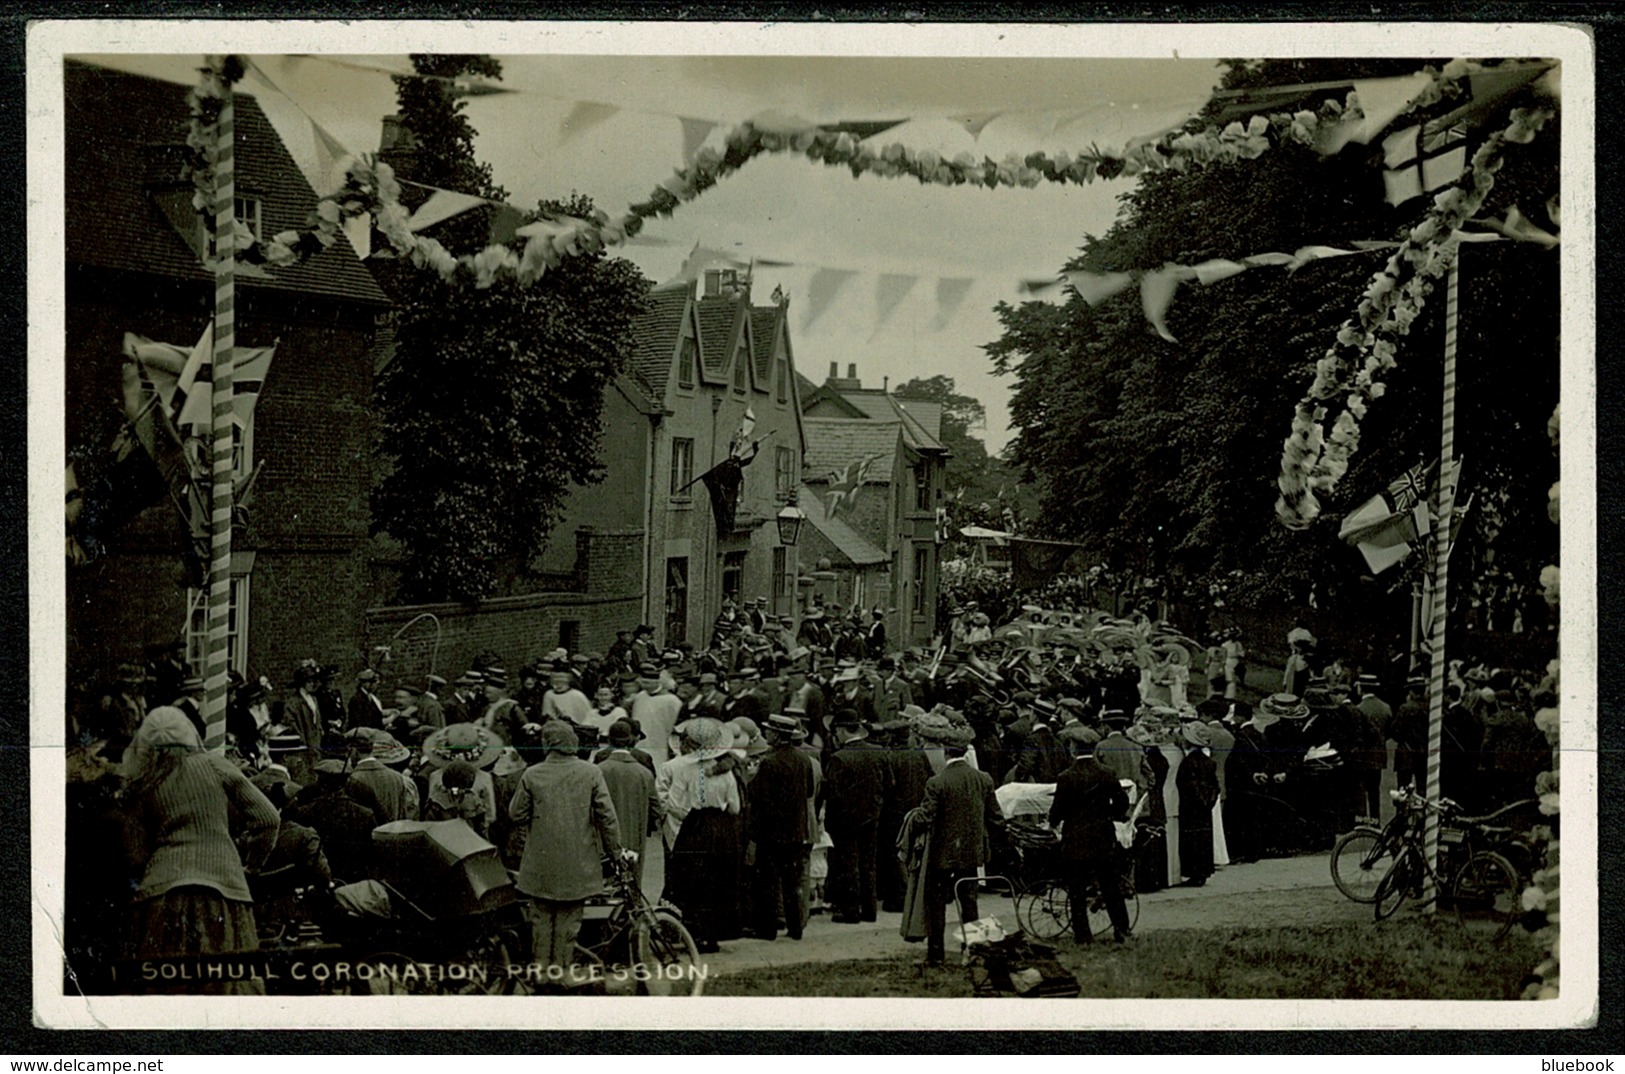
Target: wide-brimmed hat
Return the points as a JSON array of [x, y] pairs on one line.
[[847, 675], [1283, 707], [1077, 732], [366, 675], [285, 742], [133, 673], [1319, 698], [508, 762], [943, 726], [1197, 733], [1144, 734], [705, 732], [382, 744], [781, 724], [462, 742]]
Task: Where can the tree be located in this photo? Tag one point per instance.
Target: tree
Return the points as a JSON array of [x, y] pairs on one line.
[[1164, 456], [491, 408]]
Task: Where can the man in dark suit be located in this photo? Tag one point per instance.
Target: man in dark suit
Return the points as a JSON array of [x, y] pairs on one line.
[[855, 783], [781, 829], [743, 700], [365, 708], [959, 807], [876, 638], [1088, 798]]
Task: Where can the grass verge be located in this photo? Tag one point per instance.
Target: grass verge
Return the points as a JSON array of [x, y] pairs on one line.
[[1411, 959]]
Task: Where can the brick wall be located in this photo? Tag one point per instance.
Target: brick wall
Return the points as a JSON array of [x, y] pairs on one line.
[[308, 523], [608, 597]]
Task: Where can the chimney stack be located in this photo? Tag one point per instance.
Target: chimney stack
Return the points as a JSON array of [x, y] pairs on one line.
[[713, 282], [851, 371], [834, 370]]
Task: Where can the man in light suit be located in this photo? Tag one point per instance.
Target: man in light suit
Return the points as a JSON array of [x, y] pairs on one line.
[[960, 807]]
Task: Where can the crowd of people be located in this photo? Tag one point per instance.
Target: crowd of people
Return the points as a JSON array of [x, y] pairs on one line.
[[781, 771]]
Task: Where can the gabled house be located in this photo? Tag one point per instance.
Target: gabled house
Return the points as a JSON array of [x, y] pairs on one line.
[[702, 360], [134, 263], [895, 507]]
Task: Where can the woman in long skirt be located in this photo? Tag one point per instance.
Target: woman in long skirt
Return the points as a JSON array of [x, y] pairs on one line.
[[1198, 785], [1152, 856], [702, 802], [197, 819]]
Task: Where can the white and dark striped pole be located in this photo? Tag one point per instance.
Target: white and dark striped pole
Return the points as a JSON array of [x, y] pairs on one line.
[[1441, 569], [216, 652]]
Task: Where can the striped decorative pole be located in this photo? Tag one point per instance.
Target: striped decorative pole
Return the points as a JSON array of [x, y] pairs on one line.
[[1441, 568], [216, 653]]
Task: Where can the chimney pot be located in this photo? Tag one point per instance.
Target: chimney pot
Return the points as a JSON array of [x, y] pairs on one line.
[[834, 370]]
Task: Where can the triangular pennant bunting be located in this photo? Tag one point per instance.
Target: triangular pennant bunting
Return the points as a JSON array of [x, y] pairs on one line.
[[821, 291], [695, 132], [584, 117], [951, 292], [890, 290]]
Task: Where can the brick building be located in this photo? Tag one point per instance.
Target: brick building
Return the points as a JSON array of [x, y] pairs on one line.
[[134, 264], [702, 360], [896, 508]]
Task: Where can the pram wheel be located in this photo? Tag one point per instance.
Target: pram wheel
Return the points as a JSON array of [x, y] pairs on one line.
[[1045, 914]]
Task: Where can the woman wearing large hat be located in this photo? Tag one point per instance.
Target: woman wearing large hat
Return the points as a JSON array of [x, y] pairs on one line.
[[473, 749], [1197, 784], [703, 800]]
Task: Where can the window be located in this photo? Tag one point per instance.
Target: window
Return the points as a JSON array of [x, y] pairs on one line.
[[740, 361], [733, 575], [247, 211], [687, 362], [784, 473], [682, 466], [922, 564], [782, 389], [570, 634], [197, 625], [922, 487], [781, 572], [676, 600]]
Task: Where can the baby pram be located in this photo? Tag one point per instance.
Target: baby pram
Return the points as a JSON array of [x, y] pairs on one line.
[[1043, 904]]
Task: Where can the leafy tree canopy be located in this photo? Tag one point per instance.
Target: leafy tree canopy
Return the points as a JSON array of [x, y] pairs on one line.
[[1162, 457], [492, 406]]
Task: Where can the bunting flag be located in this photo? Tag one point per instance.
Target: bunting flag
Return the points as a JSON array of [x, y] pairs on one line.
[[584, 117], [182, 378], [695, 132], [442, 206], [1157, 294], [1382, 100], [740, 444], [890, 290], [1387, 526], [821, 291], [975, 122], [951, 292], [1515, 226], [725, 480], [1418, 160]]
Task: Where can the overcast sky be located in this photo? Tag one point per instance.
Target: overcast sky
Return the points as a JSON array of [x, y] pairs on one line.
[[785, 207]]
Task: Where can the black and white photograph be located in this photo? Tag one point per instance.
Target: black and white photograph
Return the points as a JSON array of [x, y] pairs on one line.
[[561, 518]]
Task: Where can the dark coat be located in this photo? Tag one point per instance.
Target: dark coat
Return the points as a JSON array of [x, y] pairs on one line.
[[749, 705], [364, 711], [856, 780], [960, 807], [1088, 798], [778, 798]]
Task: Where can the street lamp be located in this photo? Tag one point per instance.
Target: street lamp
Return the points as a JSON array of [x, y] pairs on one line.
[[789, 520]]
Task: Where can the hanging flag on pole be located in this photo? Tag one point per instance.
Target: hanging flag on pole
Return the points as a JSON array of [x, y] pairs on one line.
[[1385, 526], [725, 480]]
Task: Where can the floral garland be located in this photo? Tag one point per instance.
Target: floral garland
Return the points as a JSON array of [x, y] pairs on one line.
[[1314, 461], [370, 188]]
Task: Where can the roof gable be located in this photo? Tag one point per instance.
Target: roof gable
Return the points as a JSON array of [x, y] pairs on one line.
[[720, 327], [125, 141], [657, 332]]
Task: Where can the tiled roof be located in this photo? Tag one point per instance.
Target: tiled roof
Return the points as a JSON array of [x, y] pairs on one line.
[[834, 443], [657, 330], [921, 420], [764, 324], [717, 316], [858, 550], [125, 144]]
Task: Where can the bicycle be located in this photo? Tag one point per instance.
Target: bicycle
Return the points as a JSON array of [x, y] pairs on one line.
[[1485, 891], [640, 944], [1362, 856]]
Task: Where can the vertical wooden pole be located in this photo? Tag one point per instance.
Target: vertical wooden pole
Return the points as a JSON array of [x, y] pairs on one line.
[[216, 659], [1441, 567]]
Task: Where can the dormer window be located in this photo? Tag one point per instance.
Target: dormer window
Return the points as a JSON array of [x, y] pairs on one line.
[[247, 211]]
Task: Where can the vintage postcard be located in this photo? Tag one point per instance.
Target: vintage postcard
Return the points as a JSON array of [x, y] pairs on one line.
[[812, 525]]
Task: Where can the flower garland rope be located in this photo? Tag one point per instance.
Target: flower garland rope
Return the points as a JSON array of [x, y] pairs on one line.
[[1314, 461], [370, 189]]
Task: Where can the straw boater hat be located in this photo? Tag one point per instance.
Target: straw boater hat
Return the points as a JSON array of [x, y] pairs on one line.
[[462, 742], [382, 744], [1283, 707]]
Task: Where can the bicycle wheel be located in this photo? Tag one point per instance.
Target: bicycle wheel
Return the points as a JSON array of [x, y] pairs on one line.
[[1359, 861], [666, 959], [1046, 913], [1487, 896], [1395, 886]]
